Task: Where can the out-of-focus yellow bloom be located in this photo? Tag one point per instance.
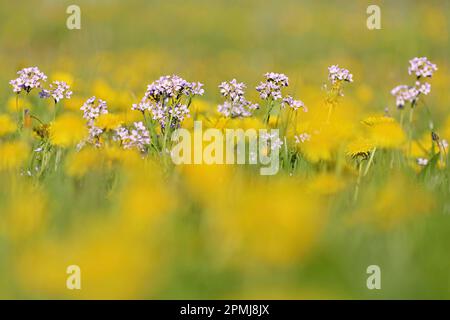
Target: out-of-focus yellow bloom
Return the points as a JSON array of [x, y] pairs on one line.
[[200, 106], [421, 148], [389, 135], [7, 125], [394, 203], [24, 212], [79, 163], [67, 130], [14, 105], [13, 154], [360, 147], [326, 184], [364, 93], [115, 155], [109, 121], [103, 90], [123, 101], [62, 76], [324, 144], [145, 199], [446, 130], [111, 265], [374, 120], [272, 223], [90, 159], [74, 103], [205, 182]]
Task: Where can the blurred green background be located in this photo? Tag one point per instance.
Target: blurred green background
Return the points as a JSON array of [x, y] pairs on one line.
[[212, 41]]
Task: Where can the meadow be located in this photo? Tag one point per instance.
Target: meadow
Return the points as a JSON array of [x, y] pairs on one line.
[[87, 176]]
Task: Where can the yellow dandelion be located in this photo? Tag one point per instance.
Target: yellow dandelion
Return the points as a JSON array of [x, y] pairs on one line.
[[13, 155], [103, 90], [360, 147], [67, 130], [387, 207], [74, 103], [388, 135], [326, 184], [421, 148], [200, 106], [24, 212], [325, 144], [374, 120], [79, 163], [7, 125], [364, 93], [62, 76], [276, 229], [109, 121]]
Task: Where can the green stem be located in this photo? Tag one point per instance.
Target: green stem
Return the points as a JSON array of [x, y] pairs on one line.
[[358, 182], [372, 154]]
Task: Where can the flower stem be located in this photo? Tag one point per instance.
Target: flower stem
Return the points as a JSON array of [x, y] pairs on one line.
[[372, 154]]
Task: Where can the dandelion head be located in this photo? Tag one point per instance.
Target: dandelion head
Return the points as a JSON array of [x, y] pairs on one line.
[[7, 125], [13, 155], [67, 130], [108, 121]]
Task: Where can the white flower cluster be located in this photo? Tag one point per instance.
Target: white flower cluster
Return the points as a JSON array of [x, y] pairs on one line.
[[58, 91], [136, 137], [235, 106], [92, 109], [168, 98], [275, 142], [29, 78], [271, 88], [294, 104], [337, 74], [421, 68]]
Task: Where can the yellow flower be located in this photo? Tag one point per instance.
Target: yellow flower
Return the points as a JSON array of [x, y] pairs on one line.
[[103, 90], [264, 223], [325, 144], [397, 201], [374, 120], [79, 163], [74, 103], [7, 125], [24, 212], [326, 184], [109, 121], [364, 93], [387, 135], [421, 148], [113, 264], [360, 147], [13, 154], [62, 76], [68, 130], [446, 129], [200, 106]]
